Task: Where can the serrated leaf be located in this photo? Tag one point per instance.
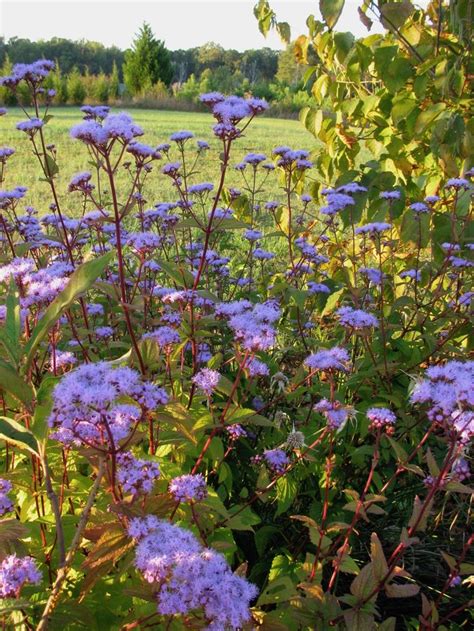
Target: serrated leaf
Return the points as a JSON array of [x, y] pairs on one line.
[[279, 590], [286, 490], [432, 464], [378, 557], [10, 531], [418, 505], [244, 520], [364, 583]]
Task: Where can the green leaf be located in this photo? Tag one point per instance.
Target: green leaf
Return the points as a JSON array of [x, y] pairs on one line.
[[343, 43], [44, 403], [181, 277], [331, 11], [395, 14], [364, 583], [229, 223], [243, 520], [333, 301], [280, 590], [388, 624], [51, 166], [428, 116], [10, 334], [286, 491], [378, 558], [265, 16], [397, 74], [17, 434], [284, 31], [11, 382], [80, 281]]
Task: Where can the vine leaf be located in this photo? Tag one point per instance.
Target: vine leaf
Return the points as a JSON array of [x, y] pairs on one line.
[[331, 11]]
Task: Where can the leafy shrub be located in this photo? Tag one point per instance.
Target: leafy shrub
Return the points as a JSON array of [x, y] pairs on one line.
[[252, 379]]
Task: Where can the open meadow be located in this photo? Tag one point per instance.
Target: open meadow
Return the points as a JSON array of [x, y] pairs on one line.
[[264, 135]]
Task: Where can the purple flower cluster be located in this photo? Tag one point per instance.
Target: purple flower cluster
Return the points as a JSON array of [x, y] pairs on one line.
[[372, 229], [374, 275], [6, 505], [99, 133], [257, 368], [336, 201], [18, 268], [188, 576], [30, 126], [229, 111], [187, 488], [164, 336], [207, 380], [448, 390], [334, 359], [380, 417], [411, 274], [16, 572], [335, 413], [81, 182], [5, 153], [252, 324], [356, 318], [236, 431], [33, 73], [143, 241], [276, 460], [63, 359], [181, 136], [318, 288], [136, 476], [86, 408]]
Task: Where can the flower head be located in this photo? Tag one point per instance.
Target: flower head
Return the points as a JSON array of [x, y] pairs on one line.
[[336, 359], [16, 572], [356, 318], [186, 488], [189, 577], [380, 417]]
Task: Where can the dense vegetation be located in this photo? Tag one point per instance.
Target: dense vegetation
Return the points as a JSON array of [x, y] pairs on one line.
[[246, 403], [89, 72]]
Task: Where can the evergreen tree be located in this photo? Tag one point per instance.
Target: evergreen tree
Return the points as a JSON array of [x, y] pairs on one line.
[[75, 87], [114, 86], [147, 62]]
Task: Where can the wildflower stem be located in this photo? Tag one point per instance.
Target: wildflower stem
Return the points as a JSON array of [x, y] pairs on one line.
[[63, 571]]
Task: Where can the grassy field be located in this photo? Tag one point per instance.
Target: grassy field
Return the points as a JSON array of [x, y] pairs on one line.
[[262, 136]]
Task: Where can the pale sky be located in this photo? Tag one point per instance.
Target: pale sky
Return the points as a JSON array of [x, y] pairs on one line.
[[180, 23]]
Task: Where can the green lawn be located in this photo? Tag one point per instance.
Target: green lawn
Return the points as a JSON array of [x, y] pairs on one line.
[[262, 135]]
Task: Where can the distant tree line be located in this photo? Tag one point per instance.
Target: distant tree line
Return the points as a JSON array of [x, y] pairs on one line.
[[148, 72]]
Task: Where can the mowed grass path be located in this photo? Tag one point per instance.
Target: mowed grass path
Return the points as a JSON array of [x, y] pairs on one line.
[[262, 136]]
